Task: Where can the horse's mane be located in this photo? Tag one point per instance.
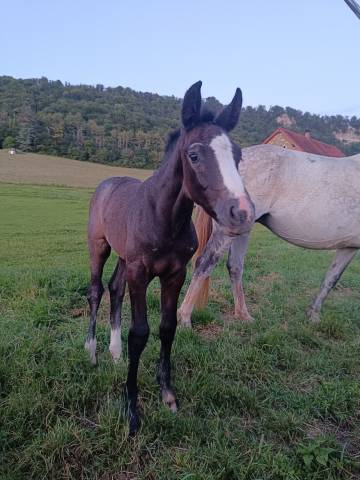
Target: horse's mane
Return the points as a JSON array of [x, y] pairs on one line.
[[206, 117]]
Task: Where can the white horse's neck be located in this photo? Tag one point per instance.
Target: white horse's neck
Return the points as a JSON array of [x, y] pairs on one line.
[[259, 168]]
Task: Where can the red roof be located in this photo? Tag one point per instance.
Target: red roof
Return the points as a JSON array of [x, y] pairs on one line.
[[306, 144]]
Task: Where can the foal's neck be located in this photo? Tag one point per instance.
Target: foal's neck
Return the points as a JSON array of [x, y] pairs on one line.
[[173, 206]]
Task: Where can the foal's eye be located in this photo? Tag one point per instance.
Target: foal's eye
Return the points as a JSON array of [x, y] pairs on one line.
[[194, 157]]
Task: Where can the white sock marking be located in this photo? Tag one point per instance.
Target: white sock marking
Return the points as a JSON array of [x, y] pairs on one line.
[[90, 346], [115, 344]]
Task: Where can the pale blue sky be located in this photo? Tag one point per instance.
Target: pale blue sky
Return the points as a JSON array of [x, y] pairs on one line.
[[304, 54]]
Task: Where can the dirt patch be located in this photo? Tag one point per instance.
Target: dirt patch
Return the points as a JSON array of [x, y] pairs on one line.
[[79, 312], [344, 435], [344, 291], [210, 331], [349, 136], [285, 121]]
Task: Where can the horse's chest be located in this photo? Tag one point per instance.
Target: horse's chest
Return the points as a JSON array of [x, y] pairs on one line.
[[168, 259]]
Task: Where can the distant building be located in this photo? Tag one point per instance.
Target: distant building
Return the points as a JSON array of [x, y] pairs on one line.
[[304, 143]]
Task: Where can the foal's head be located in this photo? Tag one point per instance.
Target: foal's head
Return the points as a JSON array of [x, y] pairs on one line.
[[210, 162]]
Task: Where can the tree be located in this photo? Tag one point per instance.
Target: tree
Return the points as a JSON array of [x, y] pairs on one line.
[[121, 126], [9, 142]]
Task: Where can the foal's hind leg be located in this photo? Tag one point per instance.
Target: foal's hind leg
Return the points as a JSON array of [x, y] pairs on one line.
[[341, 260], [117, 290], [99, 253], [218, 243], [235, 265]]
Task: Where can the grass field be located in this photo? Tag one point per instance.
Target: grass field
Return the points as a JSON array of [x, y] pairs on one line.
[[277, 399], [33, 168]]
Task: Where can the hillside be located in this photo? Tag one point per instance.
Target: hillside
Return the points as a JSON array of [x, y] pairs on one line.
[[44, 169], [123, 127]]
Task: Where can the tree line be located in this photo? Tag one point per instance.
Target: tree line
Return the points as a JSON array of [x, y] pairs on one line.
[[123, 127]]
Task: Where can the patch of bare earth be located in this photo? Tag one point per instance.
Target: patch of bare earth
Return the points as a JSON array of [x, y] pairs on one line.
[[349, 136], [79, 312], [344, 291], [285, 121], [210, 331], [344, 434]]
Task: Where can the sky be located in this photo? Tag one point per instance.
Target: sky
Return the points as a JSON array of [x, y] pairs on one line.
[[303, 54]]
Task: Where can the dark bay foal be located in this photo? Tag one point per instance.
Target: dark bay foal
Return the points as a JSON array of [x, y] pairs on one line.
[[148, 224]]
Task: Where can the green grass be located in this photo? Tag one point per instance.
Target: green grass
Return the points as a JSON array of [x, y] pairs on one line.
[[277, 399]]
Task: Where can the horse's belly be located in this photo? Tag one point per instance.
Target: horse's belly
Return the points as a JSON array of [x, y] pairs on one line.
[[316, 233]]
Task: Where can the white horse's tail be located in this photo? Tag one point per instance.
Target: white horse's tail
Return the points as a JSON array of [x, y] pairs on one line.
[[203, 227]]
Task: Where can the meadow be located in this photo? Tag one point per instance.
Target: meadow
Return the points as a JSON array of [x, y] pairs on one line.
[[34, 168], [275, 399]]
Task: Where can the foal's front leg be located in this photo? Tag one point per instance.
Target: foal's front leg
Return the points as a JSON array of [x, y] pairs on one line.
[[138, 281], [170, 290]]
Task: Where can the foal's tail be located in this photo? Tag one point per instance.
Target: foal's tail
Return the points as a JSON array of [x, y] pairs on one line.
[[203, 227]]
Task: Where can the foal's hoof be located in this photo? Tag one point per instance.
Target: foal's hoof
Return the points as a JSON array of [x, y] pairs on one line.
[[134, 425], [169, 399], [90, 346], [116, 356], [313, 315], [132, 413]]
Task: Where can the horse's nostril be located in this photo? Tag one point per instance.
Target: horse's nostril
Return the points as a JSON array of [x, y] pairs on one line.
[[237, 215], [242, 216]]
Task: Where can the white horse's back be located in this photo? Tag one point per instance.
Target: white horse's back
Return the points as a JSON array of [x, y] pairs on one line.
[[308, 200]]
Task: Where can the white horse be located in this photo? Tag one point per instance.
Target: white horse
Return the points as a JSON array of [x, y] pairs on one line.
[[308, 200]]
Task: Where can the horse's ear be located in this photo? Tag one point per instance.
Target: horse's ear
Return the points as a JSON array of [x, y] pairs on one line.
[[229, 116], [191, 107]]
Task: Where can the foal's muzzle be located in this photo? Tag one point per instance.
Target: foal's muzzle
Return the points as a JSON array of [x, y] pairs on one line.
[[237, 215]]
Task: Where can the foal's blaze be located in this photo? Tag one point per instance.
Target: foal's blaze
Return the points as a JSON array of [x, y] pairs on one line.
[[213, 180], [149, 227]]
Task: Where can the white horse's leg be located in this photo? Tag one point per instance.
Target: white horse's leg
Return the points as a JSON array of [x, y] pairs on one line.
[[187, 306], [341, 260], [218, 243], [235, 265]]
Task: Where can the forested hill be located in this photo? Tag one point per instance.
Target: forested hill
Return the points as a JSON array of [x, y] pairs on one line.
[[125, 127]]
